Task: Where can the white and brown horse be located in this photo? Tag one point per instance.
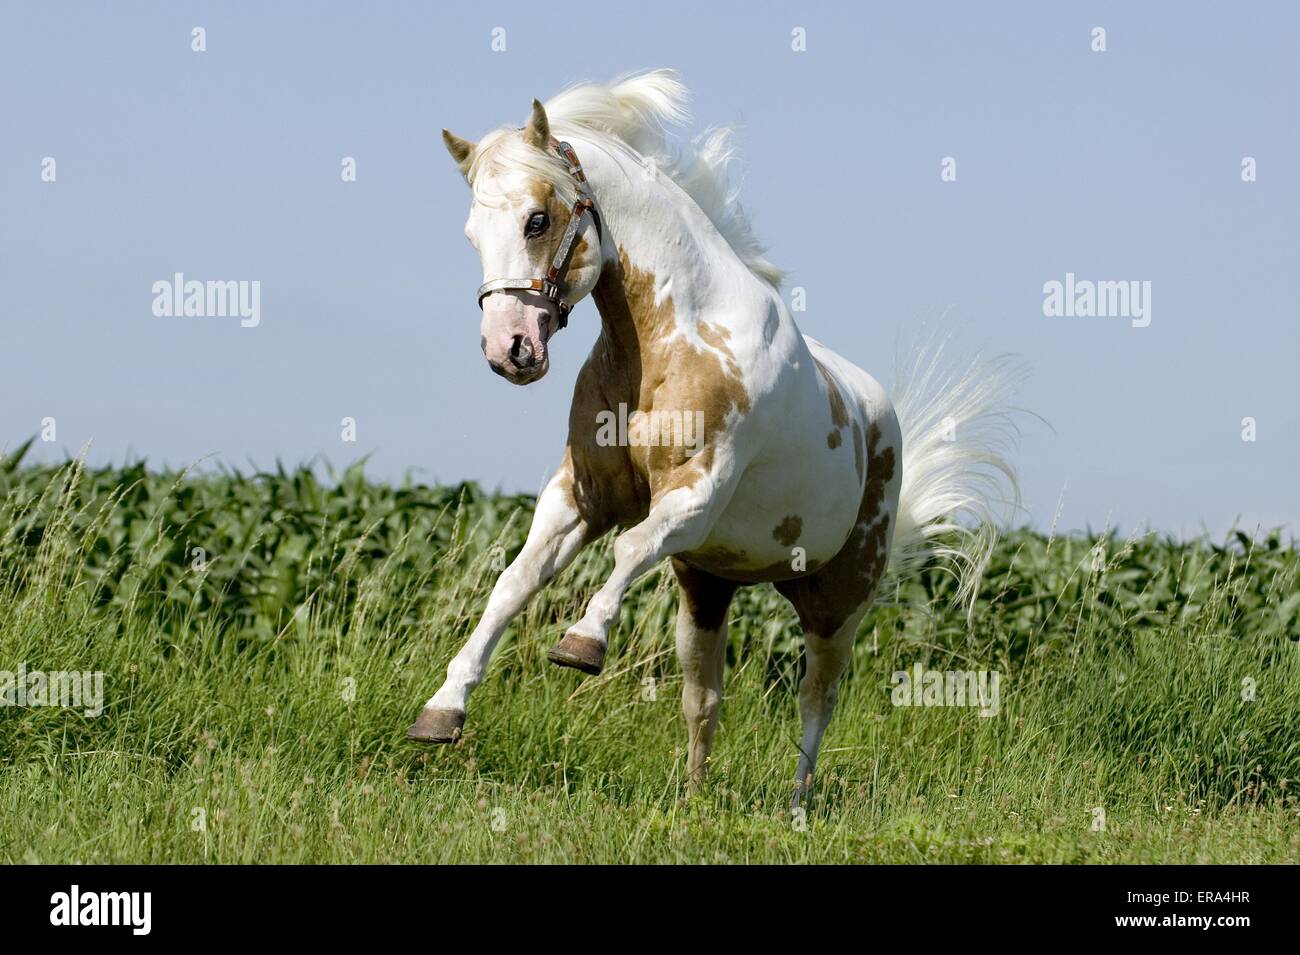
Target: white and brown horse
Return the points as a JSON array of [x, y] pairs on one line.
[[800, 476]]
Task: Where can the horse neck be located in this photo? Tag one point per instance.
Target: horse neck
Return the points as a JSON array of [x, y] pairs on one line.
[[660, 244]]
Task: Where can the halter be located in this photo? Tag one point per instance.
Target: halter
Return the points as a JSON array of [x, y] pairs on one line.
[[550, 285]]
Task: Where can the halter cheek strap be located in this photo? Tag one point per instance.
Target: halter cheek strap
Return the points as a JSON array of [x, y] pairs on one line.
[[551, 286]]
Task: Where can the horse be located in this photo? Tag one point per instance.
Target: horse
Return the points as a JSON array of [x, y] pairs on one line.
[[803, 473]]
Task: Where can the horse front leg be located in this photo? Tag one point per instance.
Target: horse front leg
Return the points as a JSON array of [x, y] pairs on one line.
[[679, 521], [557, 534]]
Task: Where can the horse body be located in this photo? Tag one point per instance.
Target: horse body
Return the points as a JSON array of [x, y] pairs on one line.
[[797, 475], [688, 327], [798, 500]]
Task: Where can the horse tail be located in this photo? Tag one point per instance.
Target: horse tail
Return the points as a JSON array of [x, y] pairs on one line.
[[958, 485]]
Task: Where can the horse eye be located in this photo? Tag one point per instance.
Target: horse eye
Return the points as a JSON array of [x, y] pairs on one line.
[[538, 223]]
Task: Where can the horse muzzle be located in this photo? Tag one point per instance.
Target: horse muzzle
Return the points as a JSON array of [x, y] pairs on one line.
[[516, 341]]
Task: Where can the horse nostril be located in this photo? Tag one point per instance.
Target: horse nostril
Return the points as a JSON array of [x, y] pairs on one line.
[[521, 352]]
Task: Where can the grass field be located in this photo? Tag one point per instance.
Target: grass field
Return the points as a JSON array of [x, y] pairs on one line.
[[265, 640]]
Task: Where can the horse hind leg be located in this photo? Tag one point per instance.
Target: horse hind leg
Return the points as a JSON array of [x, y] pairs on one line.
[[701, 651], [827, 658], [832, 601]]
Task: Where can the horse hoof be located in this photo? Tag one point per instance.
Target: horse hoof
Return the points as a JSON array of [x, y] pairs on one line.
[[802, 793], [437, 726], [581, 653]]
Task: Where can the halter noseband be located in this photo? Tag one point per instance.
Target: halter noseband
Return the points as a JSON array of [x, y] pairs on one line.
[[550, 286]]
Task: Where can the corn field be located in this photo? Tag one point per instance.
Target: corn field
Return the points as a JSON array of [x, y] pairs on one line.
[[265, 639]]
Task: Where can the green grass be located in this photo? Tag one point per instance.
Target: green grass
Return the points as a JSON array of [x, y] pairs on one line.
[[266, 691]]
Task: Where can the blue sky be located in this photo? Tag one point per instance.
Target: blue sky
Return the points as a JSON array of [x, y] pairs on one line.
[[1122, 165]]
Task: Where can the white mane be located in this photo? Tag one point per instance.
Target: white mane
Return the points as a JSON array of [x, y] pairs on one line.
[[634, 113]]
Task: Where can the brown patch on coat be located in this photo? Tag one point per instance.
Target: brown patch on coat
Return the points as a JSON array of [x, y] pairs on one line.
[[638, 362], [717, 557], [735, 566], [541, 251], [542, 194], [839, 410], [581, 251], [826, 598], [859, 461], [705, 595], [833, 440], [788, 531], [715, 336], [678, 376]]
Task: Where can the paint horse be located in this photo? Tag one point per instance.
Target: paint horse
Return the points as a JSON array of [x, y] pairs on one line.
[[802, 475]]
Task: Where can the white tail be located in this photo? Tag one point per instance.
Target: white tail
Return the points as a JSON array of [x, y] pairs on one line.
[[958, 486]]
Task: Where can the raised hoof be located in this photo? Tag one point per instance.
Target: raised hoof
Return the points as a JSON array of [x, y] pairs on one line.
[[437, 726], [581, 653]]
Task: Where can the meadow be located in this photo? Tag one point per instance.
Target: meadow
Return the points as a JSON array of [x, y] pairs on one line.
[[265, 639]]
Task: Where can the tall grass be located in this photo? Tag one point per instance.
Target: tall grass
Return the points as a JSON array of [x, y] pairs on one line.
[[266, 638]]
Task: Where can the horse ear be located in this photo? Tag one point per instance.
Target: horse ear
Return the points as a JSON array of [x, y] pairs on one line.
[[462, 150], [538, 129]]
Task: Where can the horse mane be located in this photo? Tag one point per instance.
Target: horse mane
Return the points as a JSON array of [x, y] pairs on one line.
[[634, 114]]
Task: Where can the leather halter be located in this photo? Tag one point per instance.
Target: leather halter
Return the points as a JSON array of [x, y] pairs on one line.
[[551, 286]]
